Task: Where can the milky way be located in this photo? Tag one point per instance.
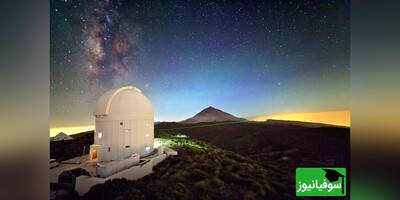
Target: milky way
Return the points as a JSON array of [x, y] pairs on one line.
[[246, 57], [110, 47]]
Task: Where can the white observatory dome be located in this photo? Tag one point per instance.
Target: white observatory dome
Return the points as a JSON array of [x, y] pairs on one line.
[[124, 125], [127, 100]]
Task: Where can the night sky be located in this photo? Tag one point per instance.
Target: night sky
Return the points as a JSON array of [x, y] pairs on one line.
[[248, 58]]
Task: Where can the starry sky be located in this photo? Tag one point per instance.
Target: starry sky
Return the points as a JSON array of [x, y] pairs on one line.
[[249, 58]]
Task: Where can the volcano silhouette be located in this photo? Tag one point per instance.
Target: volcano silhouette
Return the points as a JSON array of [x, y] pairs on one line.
[[211, 114]]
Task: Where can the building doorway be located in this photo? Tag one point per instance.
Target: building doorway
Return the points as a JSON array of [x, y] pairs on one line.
[[94, 154]]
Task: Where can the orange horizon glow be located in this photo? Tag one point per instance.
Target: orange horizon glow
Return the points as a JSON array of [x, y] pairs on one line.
[[70, 130], [340, 118]]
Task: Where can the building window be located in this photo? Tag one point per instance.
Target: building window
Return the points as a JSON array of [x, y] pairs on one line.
[[109, 149], [147, 135], [121, 123], [99, 135]]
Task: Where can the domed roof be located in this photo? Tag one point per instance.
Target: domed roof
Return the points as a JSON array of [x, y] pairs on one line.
[[124, 100]]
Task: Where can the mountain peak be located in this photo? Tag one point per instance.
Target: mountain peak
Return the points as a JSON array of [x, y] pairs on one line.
[[208, 110], [211, 114]]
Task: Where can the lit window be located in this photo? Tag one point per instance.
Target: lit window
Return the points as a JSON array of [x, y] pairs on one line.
[[99, 135]]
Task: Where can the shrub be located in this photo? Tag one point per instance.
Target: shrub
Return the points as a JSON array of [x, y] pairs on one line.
[[279, 187], [190, 160], [205, 197], [227, 162], [229, 168], [198, 174], [194, 165], [209, 168], [109, 190], [202, 185], [179, 176], [249, 195], [209, 185], [237, 166], [132, 193], [229, 177], [258, 187], [217, 183], [244, 173], [180, 191], [245, 181]]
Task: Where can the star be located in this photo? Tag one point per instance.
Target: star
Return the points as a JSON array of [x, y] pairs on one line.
[[196, 53]]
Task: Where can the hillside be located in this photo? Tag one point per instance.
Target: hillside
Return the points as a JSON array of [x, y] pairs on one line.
[[226, 160], [211, 114], [286, 146], [200, 171], [300, 123], [67, 149]]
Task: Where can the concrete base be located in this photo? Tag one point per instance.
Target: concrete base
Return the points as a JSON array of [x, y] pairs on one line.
[[139, 170], [84, 183], [170, 152]]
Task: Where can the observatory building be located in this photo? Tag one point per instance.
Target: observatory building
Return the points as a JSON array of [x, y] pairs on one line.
[[123, 140], [124, 125]]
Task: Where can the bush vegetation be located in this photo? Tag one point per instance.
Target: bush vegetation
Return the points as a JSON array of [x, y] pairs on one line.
[[199, 171]]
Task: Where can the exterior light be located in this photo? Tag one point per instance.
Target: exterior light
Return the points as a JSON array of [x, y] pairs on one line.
[[147, 148], [157, 144], [147, 135]]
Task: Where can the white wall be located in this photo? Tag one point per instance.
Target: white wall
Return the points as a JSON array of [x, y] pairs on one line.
[[113, 136], [84, 183], [158, 159], [113, 167]]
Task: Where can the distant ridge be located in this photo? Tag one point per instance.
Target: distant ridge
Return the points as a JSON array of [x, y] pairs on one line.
[[60, 137], [301, 123], [211, 114]]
